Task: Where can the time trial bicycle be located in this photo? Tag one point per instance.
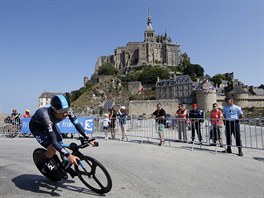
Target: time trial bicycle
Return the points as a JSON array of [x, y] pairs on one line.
[[90, 171]]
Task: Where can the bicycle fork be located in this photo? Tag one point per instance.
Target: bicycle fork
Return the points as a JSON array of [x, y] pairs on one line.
[[82, 166]]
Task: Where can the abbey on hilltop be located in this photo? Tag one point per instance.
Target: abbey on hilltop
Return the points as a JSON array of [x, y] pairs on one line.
[[155, 50]]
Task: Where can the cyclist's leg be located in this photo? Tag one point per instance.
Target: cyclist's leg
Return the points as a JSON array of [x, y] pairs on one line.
[[41, 137], [44, 140], [50, 151]]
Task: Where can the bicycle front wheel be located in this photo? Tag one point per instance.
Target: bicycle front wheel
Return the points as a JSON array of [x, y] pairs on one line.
[[93, 175]]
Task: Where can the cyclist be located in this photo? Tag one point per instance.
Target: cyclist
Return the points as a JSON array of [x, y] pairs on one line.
[[43, 126]]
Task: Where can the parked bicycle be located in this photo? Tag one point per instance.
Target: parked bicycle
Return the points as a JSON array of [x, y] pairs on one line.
[[90, 171]]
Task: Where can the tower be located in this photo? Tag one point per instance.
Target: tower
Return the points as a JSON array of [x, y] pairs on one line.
[[149, 32], [205, 96]]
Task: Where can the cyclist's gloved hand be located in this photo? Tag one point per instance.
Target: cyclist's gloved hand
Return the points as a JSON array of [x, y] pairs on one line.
[[93, 142]]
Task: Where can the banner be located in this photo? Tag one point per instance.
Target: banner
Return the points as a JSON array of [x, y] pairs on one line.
[[65, 126]]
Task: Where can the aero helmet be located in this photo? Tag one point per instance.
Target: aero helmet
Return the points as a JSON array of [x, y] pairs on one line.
[[60, 103]]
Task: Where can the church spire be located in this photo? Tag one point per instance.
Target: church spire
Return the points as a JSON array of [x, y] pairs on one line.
[[149, 32], [149, 23]]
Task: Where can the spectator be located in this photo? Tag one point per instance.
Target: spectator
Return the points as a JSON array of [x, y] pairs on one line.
[[112, 117], [15, 118], [181, 114], [217, 123], [26, 114], [160, 115], [232, 114], [122, 121], [106, 122], [196, 117], [14, 113]]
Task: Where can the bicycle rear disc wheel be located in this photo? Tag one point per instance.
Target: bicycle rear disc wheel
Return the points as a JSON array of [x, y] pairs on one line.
[[40, 159], [93, 175]]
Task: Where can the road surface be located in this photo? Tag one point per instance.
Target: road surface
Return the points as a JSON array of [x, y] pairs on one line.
[[139, 170]]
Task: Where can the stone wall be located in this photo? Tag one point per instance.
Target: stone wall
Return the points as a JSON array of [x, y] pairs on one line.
[[139, 107], [251, 101]]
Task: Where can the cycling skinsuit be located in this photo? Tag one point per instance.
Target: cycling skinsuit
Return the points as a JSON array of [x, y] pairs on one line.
[[43, 126]]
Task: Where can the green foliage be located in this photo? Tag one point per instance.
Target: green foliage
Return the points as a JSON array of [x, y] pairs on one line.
[[107, 69], [217, 79], [150, 74], [194, 71], [77, 93], [147, 74], [133, 76]]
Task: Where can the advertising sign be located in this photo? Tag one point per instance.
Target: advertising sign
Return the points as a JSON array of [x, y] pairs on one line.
[[65, 126]]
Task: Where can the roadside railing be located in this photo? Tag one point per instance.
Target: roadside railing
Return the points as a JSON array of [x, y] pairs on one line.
[[251, 131], [10, 131]]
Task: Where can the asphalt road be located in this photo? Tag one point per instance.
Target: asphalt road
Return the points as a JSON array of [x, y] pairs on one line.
[[139, 170]]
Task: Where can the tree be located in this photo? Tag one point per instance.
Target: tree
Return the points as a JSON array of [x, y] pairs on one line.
[[107, 69], [217, 79], [150, 74], [194, 71]]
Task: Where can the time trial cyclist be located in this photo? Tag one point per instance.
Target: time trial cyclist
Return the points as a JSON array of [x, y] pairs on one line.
[[43, 126]]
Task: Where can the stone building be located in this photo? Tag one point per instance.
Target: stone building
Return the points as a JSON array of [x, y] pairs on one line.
[[155, 50], [205, 95], [179, 87], [240, 95], [45, 97]]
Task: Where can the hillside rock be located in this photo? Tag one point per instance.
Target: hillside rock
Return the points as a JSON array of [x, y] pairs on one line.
[[2, 117], [91, 101]]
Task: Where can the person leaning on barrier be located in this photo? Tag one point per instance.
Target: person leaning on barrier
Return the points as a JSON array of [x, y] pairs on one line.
[[217, 123], [181, 114], [43, 126], [196, 117], [15, 121], [232, 114], [15, 118], [26, 114], [160, 115]]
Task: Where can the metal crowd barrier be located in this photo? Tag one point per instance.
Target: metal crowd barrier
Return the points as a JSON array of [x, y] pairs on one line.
[[10, 131], [251, 131]]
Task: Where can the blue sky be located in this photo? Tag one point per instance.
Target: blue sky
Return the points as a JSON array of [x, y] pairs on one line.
[[52, 44]]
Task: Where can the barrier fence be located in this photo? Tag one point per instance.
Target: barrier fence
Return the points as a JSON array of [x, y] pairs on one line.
[[251, 131]]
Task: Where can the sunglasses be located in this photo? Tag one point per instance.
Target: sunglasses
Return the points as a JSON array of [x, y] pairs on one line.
[[62, 111]]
